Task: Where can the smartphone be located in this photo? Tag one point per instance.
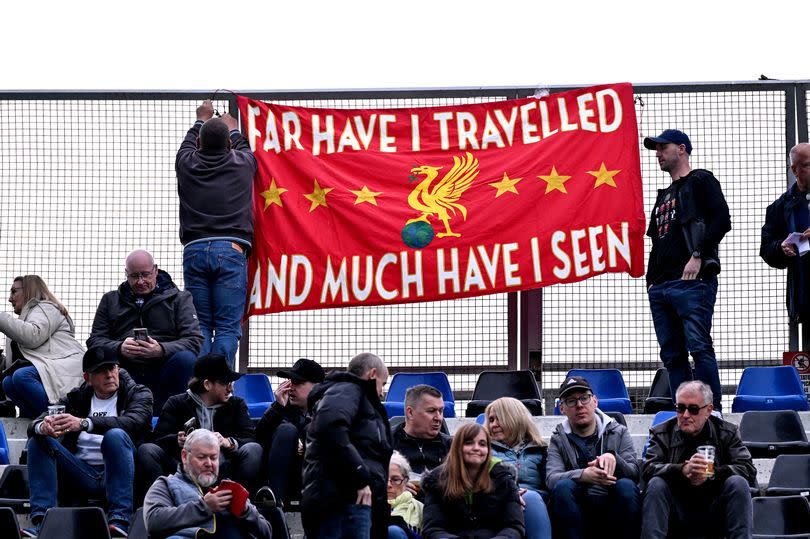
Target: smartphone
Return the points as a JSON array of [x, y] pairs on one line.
[[141, 334], [190, 425]]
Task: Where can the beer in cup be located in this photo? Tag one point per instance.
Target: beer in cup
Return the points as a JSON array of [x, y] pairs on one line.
[[707, 452]]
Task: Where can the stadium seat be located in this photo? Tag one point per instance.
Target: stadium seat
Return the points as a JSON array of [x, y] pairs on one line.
[[395, 398], [781, 516], [771, 433], [660, 417], [492, 385], [9, 527], [257, 392], [608, 386], [770, 388], [481, 418], [74, 523], [660, 397], [137, 527], [618, 417], [790, 476], [5, 454], [14, 488]]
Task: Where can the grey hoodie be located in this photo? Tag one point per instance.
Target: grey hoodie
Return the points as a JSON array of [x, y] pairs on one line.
[[613, 437]]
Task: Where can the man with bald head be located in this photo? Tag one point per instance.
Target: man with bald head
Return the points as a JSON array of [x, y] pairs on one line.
[[787, 215], [215, 170], [162, 357]]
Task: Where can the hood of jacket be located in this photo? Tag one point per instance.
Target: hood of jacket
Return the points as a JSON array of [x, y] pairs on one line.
[[164, 286]]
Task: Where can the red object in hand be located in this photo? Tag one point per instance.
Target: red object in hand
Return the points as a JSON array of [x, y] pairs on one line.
[[240, 496]]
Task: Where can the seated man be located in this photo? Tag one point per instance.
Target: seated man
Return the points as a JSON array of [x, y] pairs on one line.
[[420, 439], [207, 404], [163, 357], [282, 429], [682, 495], [177, 506], [103, 421], [592, 470]]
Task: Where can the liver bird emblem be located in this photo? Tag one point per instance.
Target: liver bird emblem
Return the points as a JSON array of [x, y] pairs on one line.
[[442, 199]]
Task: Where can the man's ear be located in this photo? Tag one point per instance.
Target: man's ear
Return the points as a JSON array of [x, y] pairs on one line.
[[86, 376], [409, 412], [371, 374]]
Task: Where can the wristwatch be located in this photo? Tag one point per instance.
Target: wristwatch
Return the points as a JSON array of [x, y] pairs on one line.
[[696, 254], [84, 425]]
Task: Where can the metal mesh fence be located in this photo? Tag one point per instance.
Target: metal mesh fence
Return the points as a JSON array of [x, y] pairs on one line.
[[87, 178]]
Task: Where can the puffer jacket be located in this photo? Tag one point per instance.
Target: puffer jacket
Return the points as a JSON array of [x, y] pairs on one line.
[[529, 459], [348, 448], [479, 515], [613, 438], [168, 314]]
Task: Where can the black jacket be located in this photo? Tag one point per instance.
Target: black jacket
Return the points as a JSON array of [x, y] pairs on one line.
[[168, 314], [480, 516], [668, 450], [423, 455], [215, 189], [134, 406], [274, 416], [348, 448], [230, 420], [779, 222]]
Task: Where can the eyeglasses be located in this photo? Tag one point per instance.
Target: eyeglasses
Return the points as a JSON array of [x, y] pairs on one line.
[[14, 291], [584, 399], [694, 409], [140, 275], [396, 480]]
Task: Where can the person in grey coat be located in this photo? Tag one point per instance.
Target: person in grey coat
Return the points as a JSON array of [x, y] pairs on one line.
[[183, 504], [592, 469]]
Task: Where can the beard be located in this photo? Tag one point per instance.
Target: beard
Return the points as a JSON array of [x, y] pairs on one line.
[[204, 479]]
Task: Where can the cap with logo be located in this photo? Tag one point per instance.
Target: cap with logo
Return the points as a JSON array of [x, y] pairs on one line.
[[572, 383]]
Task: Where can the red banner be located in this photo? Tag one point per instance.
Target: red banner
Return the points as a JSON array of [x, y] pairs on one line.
[[376, 206]]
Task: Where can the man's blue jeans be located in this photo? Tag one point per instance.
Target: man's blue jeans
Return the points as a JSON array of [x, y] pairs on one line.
[[47, 458], [166, 378], [355, 523], [682, 314], [216, 275], [576, 510], [25, 389]]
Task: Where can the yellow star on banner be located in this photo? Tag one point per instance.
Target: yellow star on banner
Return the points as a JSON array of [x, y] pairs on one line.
[[603, 176], [273, 195], [506, 185], [318, 196], [364, 195], [555, 181]]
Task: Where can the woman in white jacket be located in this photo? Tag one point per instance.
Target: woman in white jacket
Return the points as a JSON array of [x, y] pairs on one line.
[[43, 358]]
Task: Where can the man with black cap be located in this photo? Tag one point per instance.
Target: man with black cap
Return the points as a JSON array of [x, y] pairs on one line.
[[688, 221], [207, 404], [91, 443], [592, 469], [282, 429]]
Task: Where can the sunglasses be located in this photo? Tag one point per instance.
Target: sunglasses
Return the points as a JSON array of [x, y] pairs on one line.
[[694, 409]]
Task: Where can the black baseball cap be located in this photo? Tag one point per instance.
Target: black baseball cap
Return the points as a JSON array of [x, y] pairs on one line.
[[98, 357], [668, 136], [304, 370], [572, 383], [215, 367]]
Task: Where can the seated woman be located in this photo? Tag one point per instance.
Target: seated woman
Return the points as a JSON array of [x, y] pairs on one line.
[[406, 511], [43, 358], [516, 440], [471, 495]]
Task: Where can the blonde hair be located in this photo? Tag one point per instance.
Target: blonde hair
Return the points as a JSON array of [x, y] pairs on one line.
[[35, 288], [458, 480], [515, 420]]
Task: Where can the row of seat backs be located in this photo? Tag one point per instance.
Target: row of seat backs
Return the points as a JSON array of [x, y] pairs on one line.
[[781, 516]]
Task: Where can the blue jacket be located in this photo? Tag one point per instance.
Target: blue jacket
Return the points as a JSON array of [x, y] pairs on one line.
[[528, 459]]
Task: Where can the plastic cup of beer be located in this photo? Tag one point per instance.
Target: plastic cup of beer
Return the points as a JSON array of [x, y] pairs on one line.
[[56, 409], [416, 481], [707, 452]]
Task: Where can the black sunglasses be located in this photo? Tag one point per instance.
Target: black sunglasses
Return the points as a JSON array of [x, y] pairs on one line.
[[694, 409]]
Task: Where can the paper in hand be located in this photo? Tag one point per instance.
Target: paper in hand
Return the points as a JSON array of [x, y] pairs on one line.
[[802, 246]]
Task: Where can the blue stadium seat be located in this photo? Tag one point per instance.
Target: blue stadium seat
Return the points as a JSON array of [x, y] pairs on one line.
[[257, 392], [4, 451], [481, 418], [608, 386], [660, 417], [770, 388], [395, 398]]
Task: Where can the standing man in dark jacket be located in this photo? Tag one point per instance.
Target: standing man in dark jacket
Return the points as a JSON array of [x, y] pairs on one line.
[[689, 219], [162, 358], [282, 430], [347, 454], [787, 215], [215, 170], [103, 421], [207, 404], [592, 470], [682, 497]]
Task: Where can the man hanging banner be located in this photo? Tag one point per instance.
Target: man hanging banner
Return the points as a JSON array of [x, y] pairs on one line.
[[376, 206]]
